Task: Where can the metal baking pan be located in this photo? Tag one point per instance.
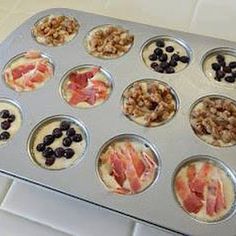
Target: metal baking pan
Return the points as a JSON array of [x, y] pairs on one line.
[[175, 141]]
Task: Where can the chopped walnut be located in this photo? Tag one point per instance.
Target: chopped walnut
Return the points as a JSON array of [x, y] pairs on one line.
[[149, 100], [215, 117], [55, 30], [109, 42]]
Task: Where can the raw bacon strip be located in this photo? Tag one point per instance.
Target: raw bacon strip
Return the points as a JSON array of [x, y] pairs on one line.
[[84, 95], [199, 182], [42, 68], [191, 172], [220, 198], [21, 70], [212, 190], [32, 54], [191, 202], [150, 165], [137, 162]]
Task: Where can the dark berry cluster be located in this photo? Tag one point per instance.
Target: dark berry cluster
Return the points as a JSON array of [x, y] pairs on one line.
[[223, 70], [163, 62], [70, 136], [8, 119]]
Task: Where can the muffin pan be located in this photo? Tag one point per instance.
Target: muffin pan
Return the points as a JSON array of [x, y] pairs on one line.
[[172, 142]]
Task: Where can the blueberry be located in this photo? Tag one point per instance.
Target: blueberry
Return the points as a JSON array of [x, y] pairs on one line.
[[69, 153], [40, 147], [67, 141], [163, 57], [11, 118], [233, 74], [153, 65], [175, 56], [5, 125], [170, 70], [160, 43], [65, 125], [77, 138], [57, 133], [50, 160], [159, 69], [4, 135], [4, 114], [217, 79], [215, 66], [220, 58], [164, 64], [220, 74], [230, 79], [170, 49], [158, 51], [48, 152], [222, 63], [173, 63], [70, 132], [59, 152], [48, 139], [232, 64], [226, 69], [184, 59], [152, 57]]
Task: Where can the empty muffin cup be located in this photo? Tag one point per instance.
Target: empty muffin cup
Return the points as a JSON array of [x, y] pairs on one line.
[[57, 142], [55, 30], [10, 119], [108, 41], [205, 188], [149, 102], [86, 86], [219, 66], [28, 71], [213, 119], [166, 54], [127, 164]]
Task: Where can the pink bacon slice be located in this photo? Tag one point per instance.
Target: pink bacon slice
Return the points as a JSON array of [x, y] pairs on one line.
[[220, 198], [32, 54], [191, 202], [150, 165], [198, 184], [137, 162], [19, 71]]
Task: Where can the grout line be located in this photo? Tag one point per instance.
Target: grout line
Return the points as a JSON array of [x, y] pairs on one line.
[[35, 221], [196, 5]]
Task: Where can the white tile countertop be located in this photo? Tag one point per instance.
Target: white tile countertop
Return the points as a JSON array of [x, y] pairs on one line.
[[31, 210]]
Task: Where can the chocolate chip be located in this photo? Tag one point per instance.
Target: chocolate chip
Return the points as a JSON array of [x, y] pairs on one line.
[[215, 66], [170, 70], [5, 125], [59, 152], [152, 57], [232, 64], [50, 161], [65, 125], [4, 135], [184, 59], [226, 69], [230, 79], [153, 64], [164, 64], [48, 152], [11, 118], [175, 56], [67, 141], [173, 63], [160, 43], [77, 138], [40, 147], [170, 49], [220, 74], [48, 139], [57, 133], [220, 58], [4, 114], [163, 57], [159, 69], [158, 51], [69, 153]]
